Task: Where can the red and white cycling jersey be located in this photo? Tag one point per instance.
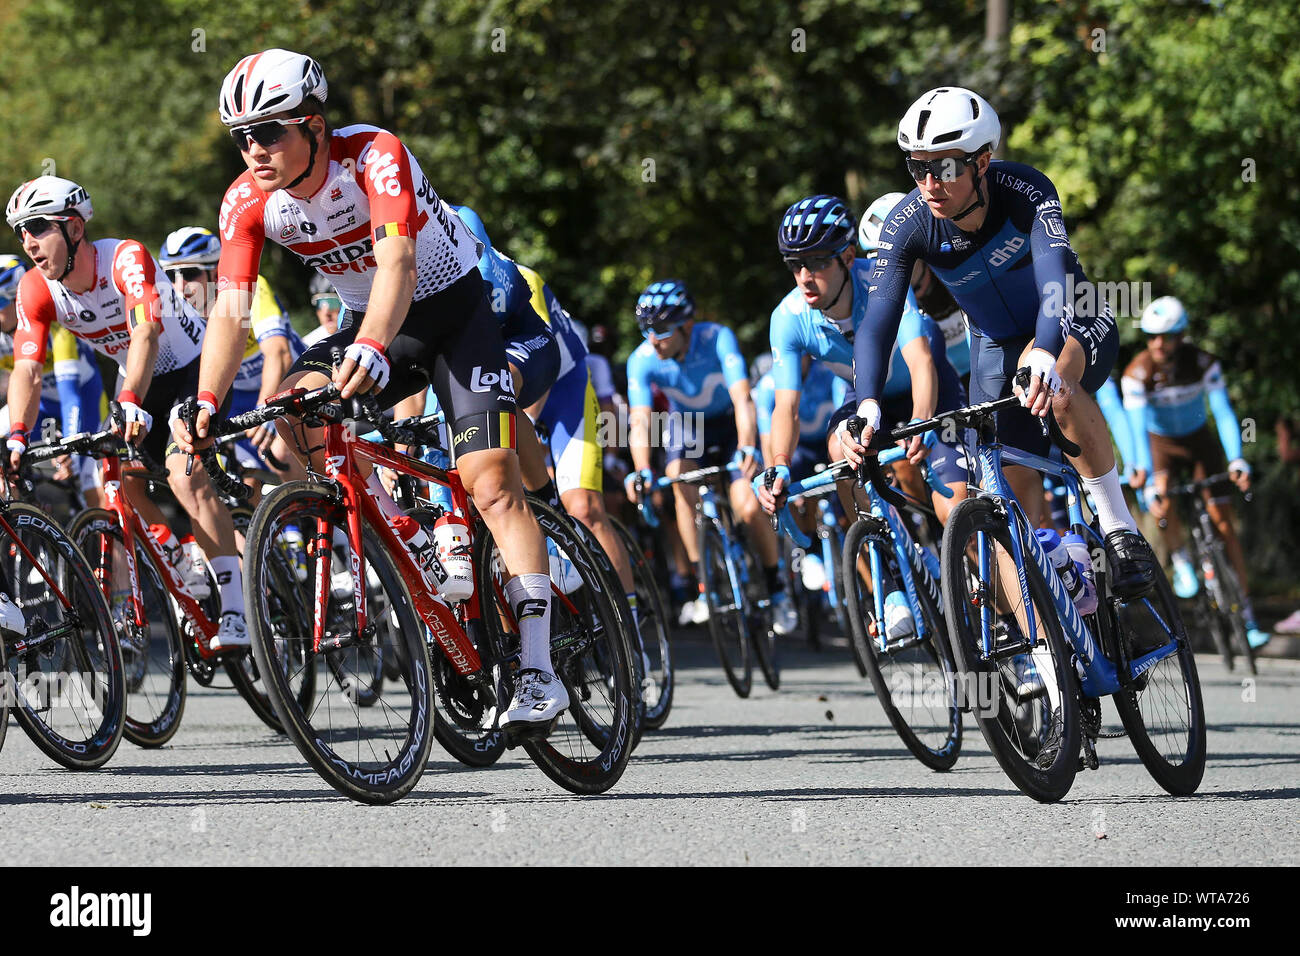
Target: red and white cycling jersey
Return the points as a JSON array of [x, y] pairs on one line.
[[374, 189], [126, 293]]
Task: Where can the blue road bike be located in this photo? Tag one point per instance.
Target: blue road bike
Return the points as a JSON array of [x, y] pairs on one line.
[[1003, 600], [905, 653]]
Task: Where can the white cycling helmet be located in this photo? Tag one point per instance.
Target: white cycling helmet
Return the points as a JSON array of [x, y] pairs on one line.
[[1164, 316], [871, 221], [48, 197], [190, 246], [273, 81], [949, 118]]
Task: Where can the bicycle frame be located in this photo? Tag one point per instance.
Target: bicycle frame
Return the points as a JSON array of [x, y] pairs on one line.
[[886, 516], [133, 527], [341, 458], [1099, 675]]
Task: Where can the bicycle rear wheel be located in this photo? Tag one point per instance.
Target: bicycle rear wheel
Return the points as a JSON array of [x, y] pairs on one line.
[[369, 743], [588, 749], [65, 672], [728, 622], [153, 657], [916, 684], [652, 626], [1035, 742], [1163, 711]]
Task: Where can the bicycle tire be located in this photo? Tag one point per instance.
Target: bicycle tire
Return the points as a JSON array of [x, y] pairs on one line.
[[852, 600], [386, 761], [1048, 774], [652, 626], [1232, 614], [728, 626], [588, 749], [932, 734], [762, 634], [154, 707], [1170, 686], [82, 730]]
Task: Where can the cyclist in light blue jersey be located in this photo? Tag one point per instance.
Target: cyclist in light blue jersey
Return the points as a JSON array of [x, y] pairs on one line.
[[1166, 388], [822, 394], [820, 317], [698, 366]]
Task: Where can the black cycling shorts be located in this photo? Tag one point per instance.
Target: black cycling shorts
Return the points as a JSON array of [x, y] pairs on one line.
[[452, 341], [531, 348], [166, 391]]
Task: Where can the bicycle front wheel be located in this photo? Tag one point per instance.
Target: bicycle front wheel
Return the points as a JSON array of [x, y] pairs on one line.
[[1025, 703], [728, 622], [1163, 711], [153, 656], [369, 743], [914, 678], [65, 671]]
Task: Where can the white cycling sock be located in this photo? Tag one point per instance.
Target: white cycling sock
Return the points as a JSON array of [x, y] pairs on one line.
[[230, 582], [1108, 497], [530, 599]]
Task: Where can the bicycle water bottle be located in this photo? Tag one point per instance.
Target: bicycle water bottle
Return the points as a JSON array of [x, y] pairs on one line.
[[451, 538], [1061, 560], [898, 616], [1077, 548]]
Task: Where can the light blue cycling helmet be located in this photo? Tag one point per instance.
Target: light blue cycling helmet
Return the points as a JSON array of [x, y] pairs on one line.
[[1164, 316], [817, 224], [190, 246]]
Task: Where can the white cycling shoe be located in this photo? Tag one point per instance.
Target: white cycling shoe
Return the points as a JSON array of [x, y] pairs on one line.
[[785, 617], [233, 633], [539, 699]]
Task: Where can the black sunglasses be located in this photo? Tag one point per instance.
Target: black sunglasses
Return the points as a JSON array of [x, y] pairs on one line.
[[35, 227], [812, 263], [663, 328], [946, 170], [186, 273], [264, 134]]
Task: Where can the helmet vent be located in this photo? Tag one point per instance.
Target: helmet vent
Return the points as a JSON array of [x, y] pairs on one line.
[[921, 124], [974, 109]]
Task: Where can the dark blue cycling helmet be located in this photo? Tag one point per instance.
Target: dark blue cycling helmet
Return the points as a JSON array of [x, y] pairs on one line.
[[663, 306], [11, 273], [816, 224]]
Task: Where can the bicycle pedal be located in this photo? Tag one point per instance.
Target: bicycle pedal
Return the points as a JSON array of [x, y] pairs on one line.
[[520, 732]]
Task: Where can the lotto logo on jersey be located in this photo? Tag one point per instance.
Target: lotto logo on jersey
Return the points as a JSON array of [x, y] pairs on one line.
[[29, 348], [131, 271], [383, 172], [481, 381]]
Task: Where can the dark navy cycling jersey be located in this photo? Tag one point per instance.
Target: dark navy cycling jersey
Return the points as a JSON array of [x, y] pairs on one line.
[[1009, 277]]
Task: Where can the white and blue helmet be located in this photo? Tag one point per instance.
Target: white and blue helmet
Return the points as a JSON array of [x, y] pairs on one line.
[[1164, 316]]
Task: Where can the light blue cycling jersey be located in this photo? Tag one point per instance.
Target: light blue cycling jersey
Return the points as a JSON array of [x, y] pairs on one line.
[[1170, 399], [822, 393], [699, 382], [1112, 409], [797, 329]]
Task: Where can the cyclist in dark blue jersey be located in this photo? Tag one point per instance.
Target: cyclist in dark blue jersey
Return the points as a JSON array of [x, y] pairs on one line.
[[993, 233]]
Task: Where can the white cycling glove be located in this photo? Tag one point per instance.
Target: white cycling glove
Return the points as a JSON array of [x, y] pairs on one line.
[[869, 410], [1042, 365], [369, 355], [1239, 464], [131, 410]]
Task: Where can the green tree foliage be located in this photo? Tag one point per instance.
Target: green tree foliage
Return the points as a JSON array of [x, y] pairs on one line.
[[610, 144]]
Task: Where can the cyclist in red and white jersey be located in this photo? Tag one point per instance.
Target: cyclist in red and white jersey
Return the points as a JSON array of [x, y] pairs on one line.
[[354, 204], [112, 294]]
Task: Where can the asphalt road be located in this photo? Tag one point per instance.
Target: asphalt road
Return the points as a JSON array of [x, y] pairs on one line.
[[808, 775]]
